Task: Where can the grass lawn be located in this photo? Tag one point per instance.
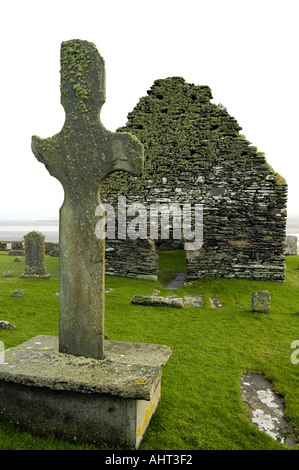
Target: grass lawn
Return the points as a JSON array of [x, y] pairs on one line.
[[201, 406]]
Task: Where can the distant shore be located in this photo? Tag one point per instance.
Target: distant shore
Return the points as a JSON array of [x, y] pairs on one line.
[[11, 230], [14, 230]]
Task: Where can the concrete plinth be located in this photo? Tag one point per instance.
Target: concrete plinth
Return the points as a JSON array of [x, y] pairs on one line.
[[107, 402]]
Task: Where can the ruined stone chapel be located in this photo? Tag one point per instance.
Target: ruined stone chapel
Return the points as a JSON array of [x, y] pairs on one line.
[[195, 154]]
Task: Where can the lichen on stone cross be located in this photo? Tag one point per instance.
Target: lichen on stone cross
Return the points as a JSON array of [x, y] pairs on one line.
[[80, 156]]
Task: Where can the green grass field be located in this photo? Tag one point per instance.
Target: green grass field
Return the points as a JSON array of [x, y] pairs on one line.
[[201, 406]]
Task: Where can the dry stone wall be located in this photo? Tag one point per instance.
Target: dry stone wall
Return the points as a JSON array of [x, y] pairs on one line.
[[195, 154], [132, 258]]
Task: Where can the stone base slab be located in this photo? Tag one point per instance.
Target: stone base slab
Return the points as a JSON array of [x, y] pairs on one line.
[[109, 402]]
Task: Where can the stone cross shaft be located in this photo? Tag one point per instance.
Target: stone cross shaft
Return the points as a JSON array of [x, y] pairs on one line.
[[80, 156]]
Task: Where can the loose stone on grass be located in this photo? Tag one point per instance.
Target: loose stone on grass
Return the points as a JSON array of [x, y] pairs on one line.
[[5, 325], [17, 293], [8, 273]]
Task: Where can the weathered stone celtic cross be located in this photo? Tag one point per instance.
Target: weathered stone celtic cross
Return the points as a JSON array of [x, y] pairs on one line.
[[80, 156]]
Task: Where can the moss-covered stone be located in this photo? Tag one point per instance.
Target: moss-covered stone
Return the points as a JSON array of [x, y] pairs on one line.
[[195, 153], [35, 256], [80, 156], [261, 301]]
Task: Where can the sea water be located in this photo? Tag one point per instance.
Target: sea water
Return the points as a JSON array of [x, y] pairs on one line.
[[14, 230]]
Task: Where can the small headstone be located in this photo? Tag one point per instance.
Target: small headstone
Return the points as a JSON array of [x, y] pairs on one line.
[[17, 293], [261, 301], [35, 255], [17, 259], [291, 245], [54, 251], [8, 273], [5, 325]]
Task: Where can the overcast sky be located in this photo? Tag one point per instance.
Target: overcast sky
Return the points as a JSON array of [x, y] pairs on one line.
[[246, 51]]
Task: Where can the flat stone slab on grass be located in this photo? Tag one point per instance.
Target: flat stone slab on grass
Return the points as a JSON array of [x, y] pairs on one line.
[[193, 300], [157, 301], [265, 408], [215, 302]]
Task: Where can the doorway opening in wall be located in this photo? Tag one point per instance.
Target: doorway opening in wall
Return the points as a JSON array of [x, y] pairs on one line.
[[172, 265]]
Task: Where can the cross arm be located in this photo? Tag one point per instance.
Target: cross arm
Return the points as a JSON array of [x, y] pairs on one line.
[[45, 150], [127, 153]]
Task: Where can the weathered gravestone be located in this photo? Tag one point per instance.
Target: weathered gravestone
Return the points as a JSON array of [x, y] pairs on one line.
[[261, 301], [291, 242], [81, 386], [35, 256]]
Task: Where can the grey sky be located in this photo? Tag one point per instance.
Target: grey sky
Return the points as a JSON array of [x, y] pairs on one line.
[[245, 50]]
